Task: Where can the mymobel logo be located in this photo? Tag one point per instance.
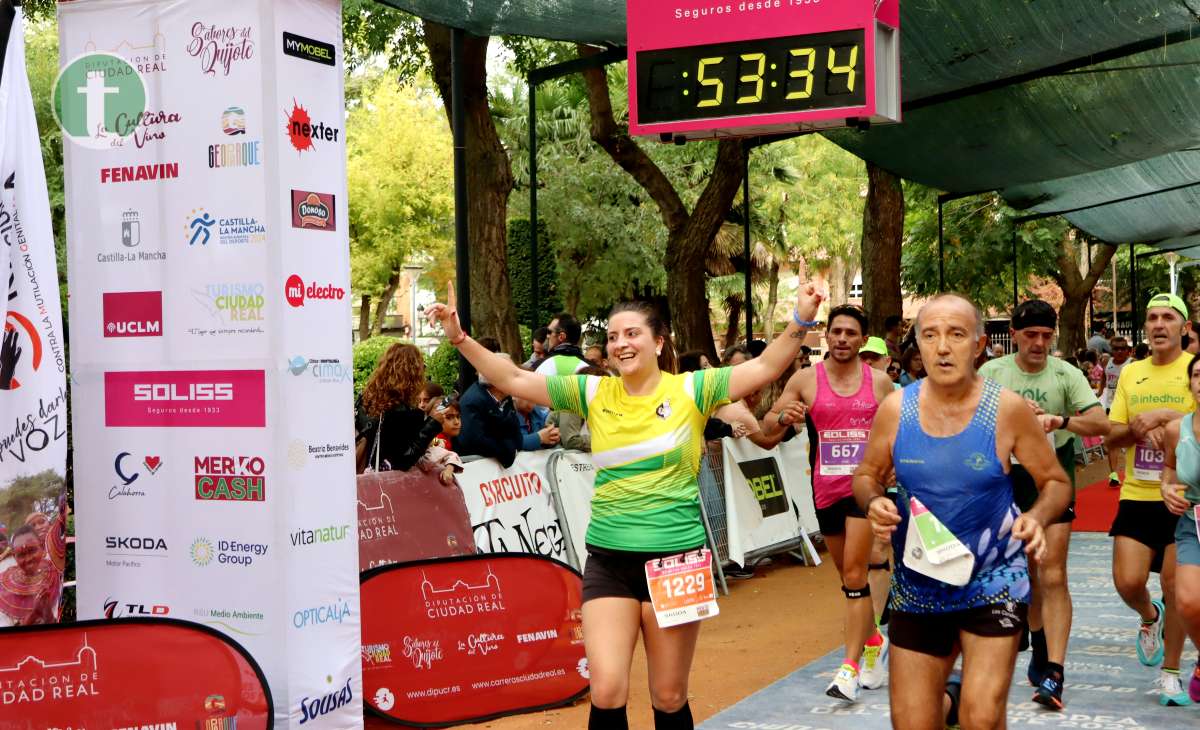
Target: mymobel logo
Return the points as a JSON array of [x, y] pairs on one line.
[[313, 210], [302, 131], [297, 293], [133, 314], [231, 478], [92, 94], [308, 49]]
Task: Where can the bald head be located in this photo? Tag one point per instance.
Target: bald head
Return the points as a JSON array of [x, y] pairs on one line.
[[951, 301]]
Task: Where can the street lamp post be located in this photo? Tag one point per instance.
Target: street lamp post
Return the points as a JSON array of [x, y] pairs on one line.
[[1172, 259], [413, 272]]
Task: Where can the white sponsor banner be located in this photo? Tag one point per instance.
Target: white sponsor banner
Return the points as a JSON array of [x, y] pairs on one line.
[[797, 473], [575, 476], [33, 414], [511, 509], [205, 170], [760, 491]]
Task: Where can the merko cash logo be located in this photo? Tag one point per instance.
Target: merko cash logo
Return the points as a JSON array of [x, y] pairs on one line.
[[297, 293], [231, 478]]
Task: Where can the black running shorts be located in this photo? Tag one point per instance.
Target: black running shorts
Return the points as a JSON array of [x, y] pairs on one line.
[[1150, 523], [1025, 491], [936, 634], [832, 519], [619, 574]]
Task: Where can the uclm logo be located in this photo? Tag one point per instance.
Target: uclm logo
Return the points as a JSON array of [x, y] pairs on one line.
[[297, 293], [185, 398], [133, 314]]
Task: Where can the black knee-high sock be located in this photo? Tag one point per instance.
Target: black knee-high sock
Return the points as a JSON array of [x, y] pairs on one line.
[[680, 719], [1037, 641], [611, 719]]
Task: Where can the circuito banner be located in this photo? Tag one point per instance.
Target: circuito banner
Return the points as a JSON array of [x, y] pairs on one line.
[[129, 674], [511, 509], [465, 639]]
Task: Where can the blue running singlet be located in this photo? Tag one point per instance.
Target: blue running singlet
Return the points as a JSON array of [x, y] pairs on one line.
[[964, 485]]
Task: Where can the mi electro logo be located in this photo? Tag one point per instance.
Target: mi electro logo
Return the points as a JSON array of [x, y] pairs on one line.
[[308, 49], [296, 292], [133, 314], [230, 479]]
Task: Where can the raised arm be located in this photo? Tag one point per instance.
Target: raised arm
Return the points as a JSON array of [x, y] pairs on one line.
[[753, 375], [500, 371]]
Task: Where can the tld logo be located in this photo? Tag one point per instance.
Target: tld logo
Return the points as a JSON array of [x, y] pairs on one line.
[[133, 314], [185, 398], [231, 478], [115, 609], [296, 292]]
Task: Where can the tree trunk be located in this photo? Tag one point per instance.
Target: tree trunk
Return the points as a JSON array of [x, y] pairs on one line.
[[1076, 289], [689, 235], [733, 306], [385, 299], [883, 232], [364, 317], [489, 183], [772, 300]]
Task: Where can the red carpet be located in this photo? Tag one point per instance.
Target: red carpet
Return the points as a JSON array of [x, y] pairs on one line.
[[1095, 507]]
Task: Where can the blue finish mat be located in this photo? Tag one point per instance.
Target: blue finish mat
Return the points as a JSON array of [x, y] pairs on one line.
[[1106, 689]]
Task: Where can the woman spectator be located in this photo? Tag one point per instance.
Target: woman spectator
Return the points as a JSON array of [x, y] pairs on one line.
[[647, 426], [387, 414], [430, 395], [693, 360], [912, 366]]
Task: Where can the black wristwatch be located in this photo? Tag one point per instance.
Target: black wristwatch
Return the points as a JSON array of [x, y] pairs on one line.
[[1066, 420]]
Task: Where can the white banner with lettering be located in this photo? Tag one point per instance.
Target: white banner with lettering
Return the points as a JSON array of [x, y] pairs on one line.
[[763, 493], [209, 257], [511, 509]]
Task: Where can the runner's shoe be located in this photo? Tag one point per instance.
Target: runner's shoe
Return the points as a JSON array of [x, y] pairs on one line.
[[1049, 692], [1036, 671], [1172, 694], [1194, 685], [844, 685], [1114, 481], [874, 664], [1150, 638]]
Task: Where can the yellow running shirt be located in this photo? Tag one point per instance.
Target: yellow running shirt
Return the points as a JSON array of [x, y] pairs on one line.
[[647, 453], [1144, 386]]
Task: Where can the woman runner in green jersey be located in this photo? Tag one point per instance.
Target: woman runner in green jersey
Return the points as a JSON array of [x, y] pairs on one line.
[[647, 437]]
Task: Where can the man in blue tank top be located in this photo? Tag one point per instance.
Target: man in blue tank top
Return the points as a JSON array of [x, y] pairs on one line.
[[961, 582]]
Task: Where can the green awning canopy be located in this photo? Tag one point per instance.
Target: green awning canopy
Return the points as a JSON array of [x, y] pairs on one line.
[[1104, 125]]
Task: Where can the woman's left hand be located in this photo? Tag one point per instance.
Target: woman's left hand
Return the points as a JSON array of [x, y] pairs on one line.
[[808, 301]]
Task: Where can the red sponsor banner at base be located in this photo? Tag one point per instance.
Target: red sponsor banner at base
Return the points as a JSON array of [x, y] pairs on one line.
[[410, 515], [467, 639], [141, 672]]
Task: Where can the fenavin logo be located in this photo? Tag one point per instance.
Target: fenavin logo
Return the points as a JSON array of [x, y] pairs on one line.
[[308, 49], [92, 93]]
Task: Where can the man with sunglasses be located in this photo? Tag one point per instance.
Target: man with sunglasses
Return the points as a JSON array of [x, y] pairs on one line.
[[1065, 404], [1112, 372]]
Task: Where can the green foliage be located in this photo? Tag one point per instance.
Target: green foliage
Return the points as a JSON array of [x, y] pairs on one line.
[[28, 494], [978, 247], [519, 268], [442, 366], [366, 357]]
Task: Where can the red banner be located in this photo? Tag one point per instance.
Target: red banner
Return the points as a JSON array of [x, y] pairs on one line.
[[409, 515], [468, 639], [131, 673]]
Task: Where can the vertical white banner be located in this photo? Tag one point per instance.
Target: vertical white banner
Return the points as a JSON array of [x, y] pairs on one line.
[[33, 413], [209, 272]]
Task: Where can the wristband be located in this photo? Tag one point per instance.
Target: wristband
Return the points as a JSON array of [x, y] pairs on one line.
[[462, 336], [1066, 420], [803, 322]]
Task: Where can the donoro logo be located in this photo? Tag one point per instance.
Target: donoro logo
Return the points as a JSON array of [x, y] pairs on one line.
[[92, 94]]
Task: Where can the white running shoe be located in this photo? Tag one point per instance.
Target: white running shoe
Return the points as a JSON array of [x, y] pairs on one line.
[[874, 665], [1150, 638], [844, 685]]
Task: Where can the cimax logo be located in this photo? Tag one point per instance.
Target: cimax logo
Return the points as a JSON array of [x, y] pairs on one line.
[[296, 292], [185, 398], [189, 392], [133, 314]]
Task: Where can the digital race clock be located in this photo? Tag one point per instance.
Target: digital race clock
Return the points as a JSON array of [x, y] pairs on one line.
[[762, 67]]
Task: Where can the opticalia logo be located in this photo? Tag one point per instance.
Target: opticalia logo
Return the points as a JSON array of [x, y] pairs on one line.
[[324, 370], [135, 545], [200, 227], [185, 398], [89, 95], [306, 48], [302, 131], [230, 478], [226, 552], [335, 612], [323, 535], [312, 708], [133, 314], [313, 210], [219, 47], [139, 173], [127, 475], [115, 609], [245, 153], [296, 292]]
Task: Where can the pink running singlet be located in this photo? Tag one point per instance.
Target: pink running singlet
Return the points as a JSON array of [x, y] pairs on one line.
[[842, 424]]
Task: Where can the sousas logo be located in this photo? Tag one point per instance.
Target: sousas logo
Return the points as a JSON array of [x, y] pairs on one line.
[[311, 709], [190, 392]]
